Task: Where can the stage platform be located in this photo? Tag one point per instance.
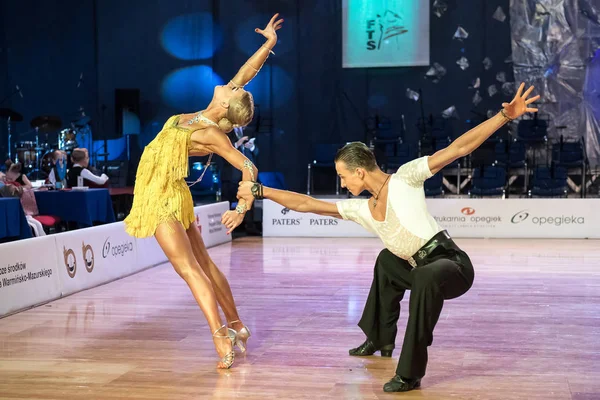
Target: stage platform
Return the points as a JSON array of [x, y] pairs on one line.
[[528, 329]]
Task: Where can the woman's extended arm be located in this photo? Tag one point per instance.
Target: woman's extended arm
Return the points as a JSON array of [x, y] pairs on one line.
[[250, 69], [219, 143]]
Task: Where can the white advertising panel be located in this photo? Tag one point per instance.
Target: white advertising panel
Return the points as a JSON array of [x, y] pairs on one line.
[[93, 256], [28, 273], [280, 221]]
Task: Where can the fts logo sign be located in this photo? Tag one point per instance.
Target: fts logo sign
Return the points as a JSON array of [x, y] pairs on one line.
[[384, 30]]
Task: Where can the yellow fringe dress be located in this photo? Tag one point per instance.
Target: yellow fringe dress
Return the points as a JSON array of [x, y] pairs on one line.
[[161, 193]]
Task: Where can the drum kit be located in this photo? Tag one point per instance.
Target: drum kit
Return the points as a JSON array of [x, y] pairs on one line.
[[36, 155]]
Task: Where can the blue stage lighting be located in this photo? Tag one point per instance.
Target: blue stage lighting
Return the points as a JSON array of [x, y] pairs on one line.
[[191, 36]]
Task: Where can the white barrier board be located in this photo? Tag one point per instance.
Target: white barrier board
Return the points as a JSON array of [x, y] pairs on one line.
[[463, 218], [279, 221], [208, 220], [37, 270], [93, 256], [518, 218], [28, 273]]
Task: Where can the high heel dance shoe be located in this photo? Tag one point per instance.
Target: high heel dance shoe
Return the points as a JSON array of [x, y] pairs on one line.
[[228, 358], [241, 337]]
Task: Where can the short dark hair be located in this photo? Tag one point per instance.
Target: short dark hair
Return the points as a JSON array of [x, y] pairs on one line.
[[357, 155], [78, 155]]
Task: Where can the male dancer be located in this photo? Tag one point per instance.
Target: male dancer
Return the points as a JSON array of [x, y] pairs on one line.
[[419, 255]]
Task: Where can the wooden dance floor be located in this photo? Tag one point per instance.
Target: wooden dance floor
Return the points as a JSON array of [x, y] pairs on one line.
[[528, 329]]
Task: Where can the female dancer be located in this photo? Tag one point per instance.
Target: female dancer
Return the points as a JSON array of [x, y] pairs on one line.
[[163, 206]]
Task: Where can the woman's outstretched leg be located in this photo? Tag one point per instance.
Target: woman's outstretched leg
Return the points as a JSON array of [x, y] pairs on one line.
[[220, 287], [218, 280], [175, 243]]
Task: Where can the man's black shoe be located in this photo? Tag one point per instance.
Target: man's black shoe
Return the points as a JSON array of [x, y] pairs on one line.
[[400, 384], [368, 349]]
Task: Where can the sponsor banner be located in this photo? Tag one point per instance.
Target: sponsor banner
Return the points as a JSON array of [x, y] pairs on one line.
[[280, 221], [463, 218], [28, 273], [518, 218], [93, 256], [208, 220]]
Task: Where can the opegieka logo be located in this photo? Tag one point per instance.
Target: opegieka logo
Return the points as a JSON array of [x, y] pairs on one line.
[[524, 215], [385, 26], [117, 250]]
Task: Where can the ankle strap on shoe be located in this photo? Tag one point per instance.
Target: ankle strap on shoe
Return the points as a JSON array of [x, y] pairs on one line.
[[215, 332]]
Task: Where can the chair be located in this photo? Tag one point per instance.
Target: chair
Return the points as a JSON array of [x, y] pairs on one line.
[[441, 128], [404, 153], [488, 181], [434, 186], [323, 157], [533, 130], [549, 182], [512, 154], [386, 140], [49, 222], [570, 155], [30, 208]]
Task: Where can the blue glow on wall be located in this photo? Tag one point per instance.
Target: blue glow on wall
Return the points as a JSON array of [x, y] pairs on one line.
[[191, 36], [191, 88], [283, 87], [116, 149]]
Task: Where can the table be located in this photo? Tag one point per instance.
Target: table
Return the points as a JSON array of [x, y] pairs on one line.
[[82, 206], [13, 223]]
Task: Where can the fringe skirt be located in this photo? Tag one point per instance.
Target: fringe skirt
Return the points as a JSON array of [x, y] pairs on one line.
[[161, 193]]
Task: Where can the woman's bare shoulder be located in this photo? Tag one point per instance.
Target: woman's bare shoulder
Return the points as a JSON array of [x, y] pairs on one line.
[[208, 135]]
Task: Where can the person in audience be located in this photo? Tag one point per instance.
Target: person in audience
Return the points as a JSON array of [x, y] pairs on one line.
[[419, 255], [81, 161], [59, 161], [14, 174], [163, 205]]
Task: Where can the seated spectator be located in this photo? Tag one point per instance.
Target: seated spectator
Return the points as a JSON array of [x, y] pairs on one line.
[[14, 174], [59, 163], [81, 161]]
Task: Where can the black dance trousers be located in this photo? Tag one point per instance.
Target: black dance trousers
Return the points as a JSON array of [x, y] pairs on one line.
[[441, 279]]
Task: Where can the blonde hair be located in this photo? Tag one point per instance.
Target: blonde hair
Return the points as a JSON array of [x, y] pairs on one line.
[[239, 113]]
